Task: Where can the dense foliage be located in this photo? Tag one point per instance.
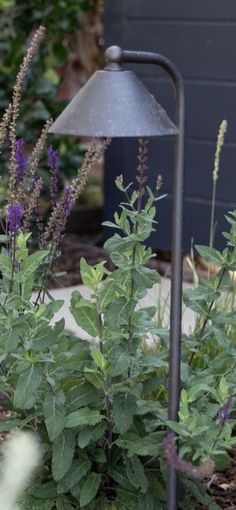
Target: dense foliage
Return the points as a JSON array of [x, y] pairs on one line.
[[19, 20], [99, 408]]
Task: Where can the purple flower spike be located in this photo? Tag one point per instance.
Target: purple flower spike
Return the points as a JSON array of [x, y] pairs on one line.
[[20, 159], [67, 201], [224, 412], [53, 158], [14, 218]]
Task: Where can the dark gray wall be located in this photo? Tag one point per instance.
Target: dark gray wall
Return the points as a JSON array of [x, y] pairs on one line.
[[200, 37]]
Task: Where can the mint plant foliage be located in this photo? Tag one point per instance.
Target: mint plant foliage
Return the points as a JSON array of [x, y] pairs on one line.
[[99, 409]]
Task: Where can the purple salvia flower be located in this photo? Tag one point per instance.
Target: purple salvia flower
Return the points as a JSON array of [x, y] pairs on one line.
[[67, 201], [224, 412], [20, 159], [14, 218], [53, 159]]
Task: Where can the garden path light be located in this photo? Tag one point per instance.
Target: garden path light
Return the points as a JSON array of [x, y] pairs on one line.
[[114, 103]]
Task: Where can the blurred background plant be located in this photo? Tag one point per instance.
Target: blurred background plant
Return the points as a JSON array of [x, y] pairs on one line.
[[70, 54]]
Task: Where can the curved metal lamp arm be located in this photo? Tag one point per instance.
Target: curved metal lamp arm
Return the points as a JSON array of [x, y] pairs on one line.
[[114, 57]]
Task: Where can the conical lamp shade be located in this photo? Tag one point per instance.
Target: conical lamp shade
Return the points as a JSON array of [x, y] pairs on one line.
[[114, 104]]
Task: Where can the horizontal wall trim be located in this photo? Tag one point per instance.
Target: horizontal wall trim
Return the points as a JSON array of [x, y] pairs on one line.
[[180, 21], [199, 81]]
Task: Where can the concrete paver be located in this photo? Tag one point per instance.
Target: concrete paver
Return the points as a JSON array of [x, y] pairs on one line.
[[159, 294]]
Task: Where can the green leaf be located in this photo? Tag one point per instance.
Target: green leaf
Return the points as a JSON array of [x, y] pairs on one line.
[[120, 476], [126, 500], [54, 414], [89, 489], [120, 363], [7, 425], [146, 277], [124, 407], [82, 395], [223, 388], [178, 428], [94, 377], [30, 265], [5, 265], [26, 386], [98, 358], [88, 434], [31, 503], [147, 502], [44, 490], [209, 254], [64, 504], [79, 468], [52, 76], [84, 416], [136, 474], [145, 446], [87, 274], [85, 314], [62, 454], [52, 308], [91, 275]]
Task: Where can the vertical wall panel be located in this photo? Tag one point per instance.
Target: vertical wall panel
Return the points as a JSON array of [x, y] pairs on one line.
[[200, 37]]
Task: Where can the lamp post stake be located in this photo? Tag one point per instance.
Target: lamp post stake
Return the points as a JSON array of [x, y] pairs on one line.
[[111, 104], [113, 55]]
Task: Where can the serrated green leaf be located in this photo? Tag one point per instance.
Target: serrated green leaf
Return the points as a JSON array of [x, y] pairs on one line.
[[89, 489], [62, 454], [84, 416], [26, 386], [54, 414], [124, 407]]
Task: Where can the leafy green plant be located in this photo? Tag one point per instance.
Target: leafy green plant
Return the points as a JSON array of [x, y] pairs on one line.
[[99, 408], [62, 19]]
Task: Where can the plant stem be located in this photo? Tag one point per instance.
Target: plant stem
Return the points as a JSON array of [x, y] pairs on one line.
[[106, 387], [212, 222], [208, 314], [48, 268], [135, 231]]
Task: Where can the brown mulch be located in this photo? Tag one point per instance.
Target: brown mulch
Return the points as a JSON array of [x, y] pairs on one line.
[[222, 486]]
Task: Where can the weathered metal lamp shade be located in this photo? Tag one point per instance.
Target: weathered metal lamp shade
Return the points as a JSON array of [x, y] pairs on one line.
[[114, 103]]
